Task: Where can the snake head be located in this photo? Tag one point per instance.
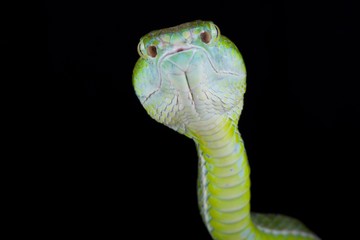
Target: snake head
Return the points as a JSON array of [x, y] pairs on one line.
[[188, 75]]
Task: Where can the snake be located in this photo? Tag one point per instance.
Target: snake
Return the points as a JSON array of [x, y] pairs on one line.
[[192, 79]]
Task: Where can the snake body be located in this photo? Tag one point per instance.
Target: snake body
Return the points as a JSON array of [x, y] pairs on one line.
[[193, 79]]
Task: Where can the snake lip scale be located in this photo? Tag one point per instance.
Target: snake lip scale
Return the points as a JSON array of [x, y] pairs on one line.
[[193, 80]]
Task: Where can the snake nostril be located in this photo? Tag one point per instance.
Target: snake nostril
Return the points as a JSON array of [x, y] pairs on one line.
[[205, 37], [152, 51]]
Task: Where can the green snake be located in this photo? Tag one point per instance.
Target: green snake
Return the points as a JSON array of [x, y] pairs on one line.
[[193, 80]]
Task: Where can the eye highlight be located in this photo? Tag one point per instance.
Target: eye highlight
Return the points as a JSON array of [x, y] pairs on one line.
[[210, 36], [205, 37]]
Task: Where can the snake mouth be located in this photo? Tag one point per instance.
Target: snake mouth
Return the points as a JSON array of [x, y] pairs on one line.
[[175, 51], [181, 49], [179, 57]]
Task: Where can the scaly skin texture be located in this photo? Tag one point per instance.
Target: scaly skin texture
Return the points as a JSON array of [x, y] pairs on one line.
[[192, 79]]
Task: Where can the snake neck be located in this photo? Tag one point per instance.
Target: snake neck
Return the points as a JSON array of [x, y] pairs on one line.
[[223, 181]]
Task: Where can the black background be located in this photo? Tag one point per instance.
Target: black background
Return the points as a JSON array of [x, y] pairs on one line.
[[112, 170]]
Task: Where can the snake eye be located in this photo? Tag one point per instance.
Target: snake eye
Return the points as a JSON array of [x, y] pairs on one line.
[[152, 51], [145, 52], [216, 31], [205, 37], [140, 49], [210, 36]]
